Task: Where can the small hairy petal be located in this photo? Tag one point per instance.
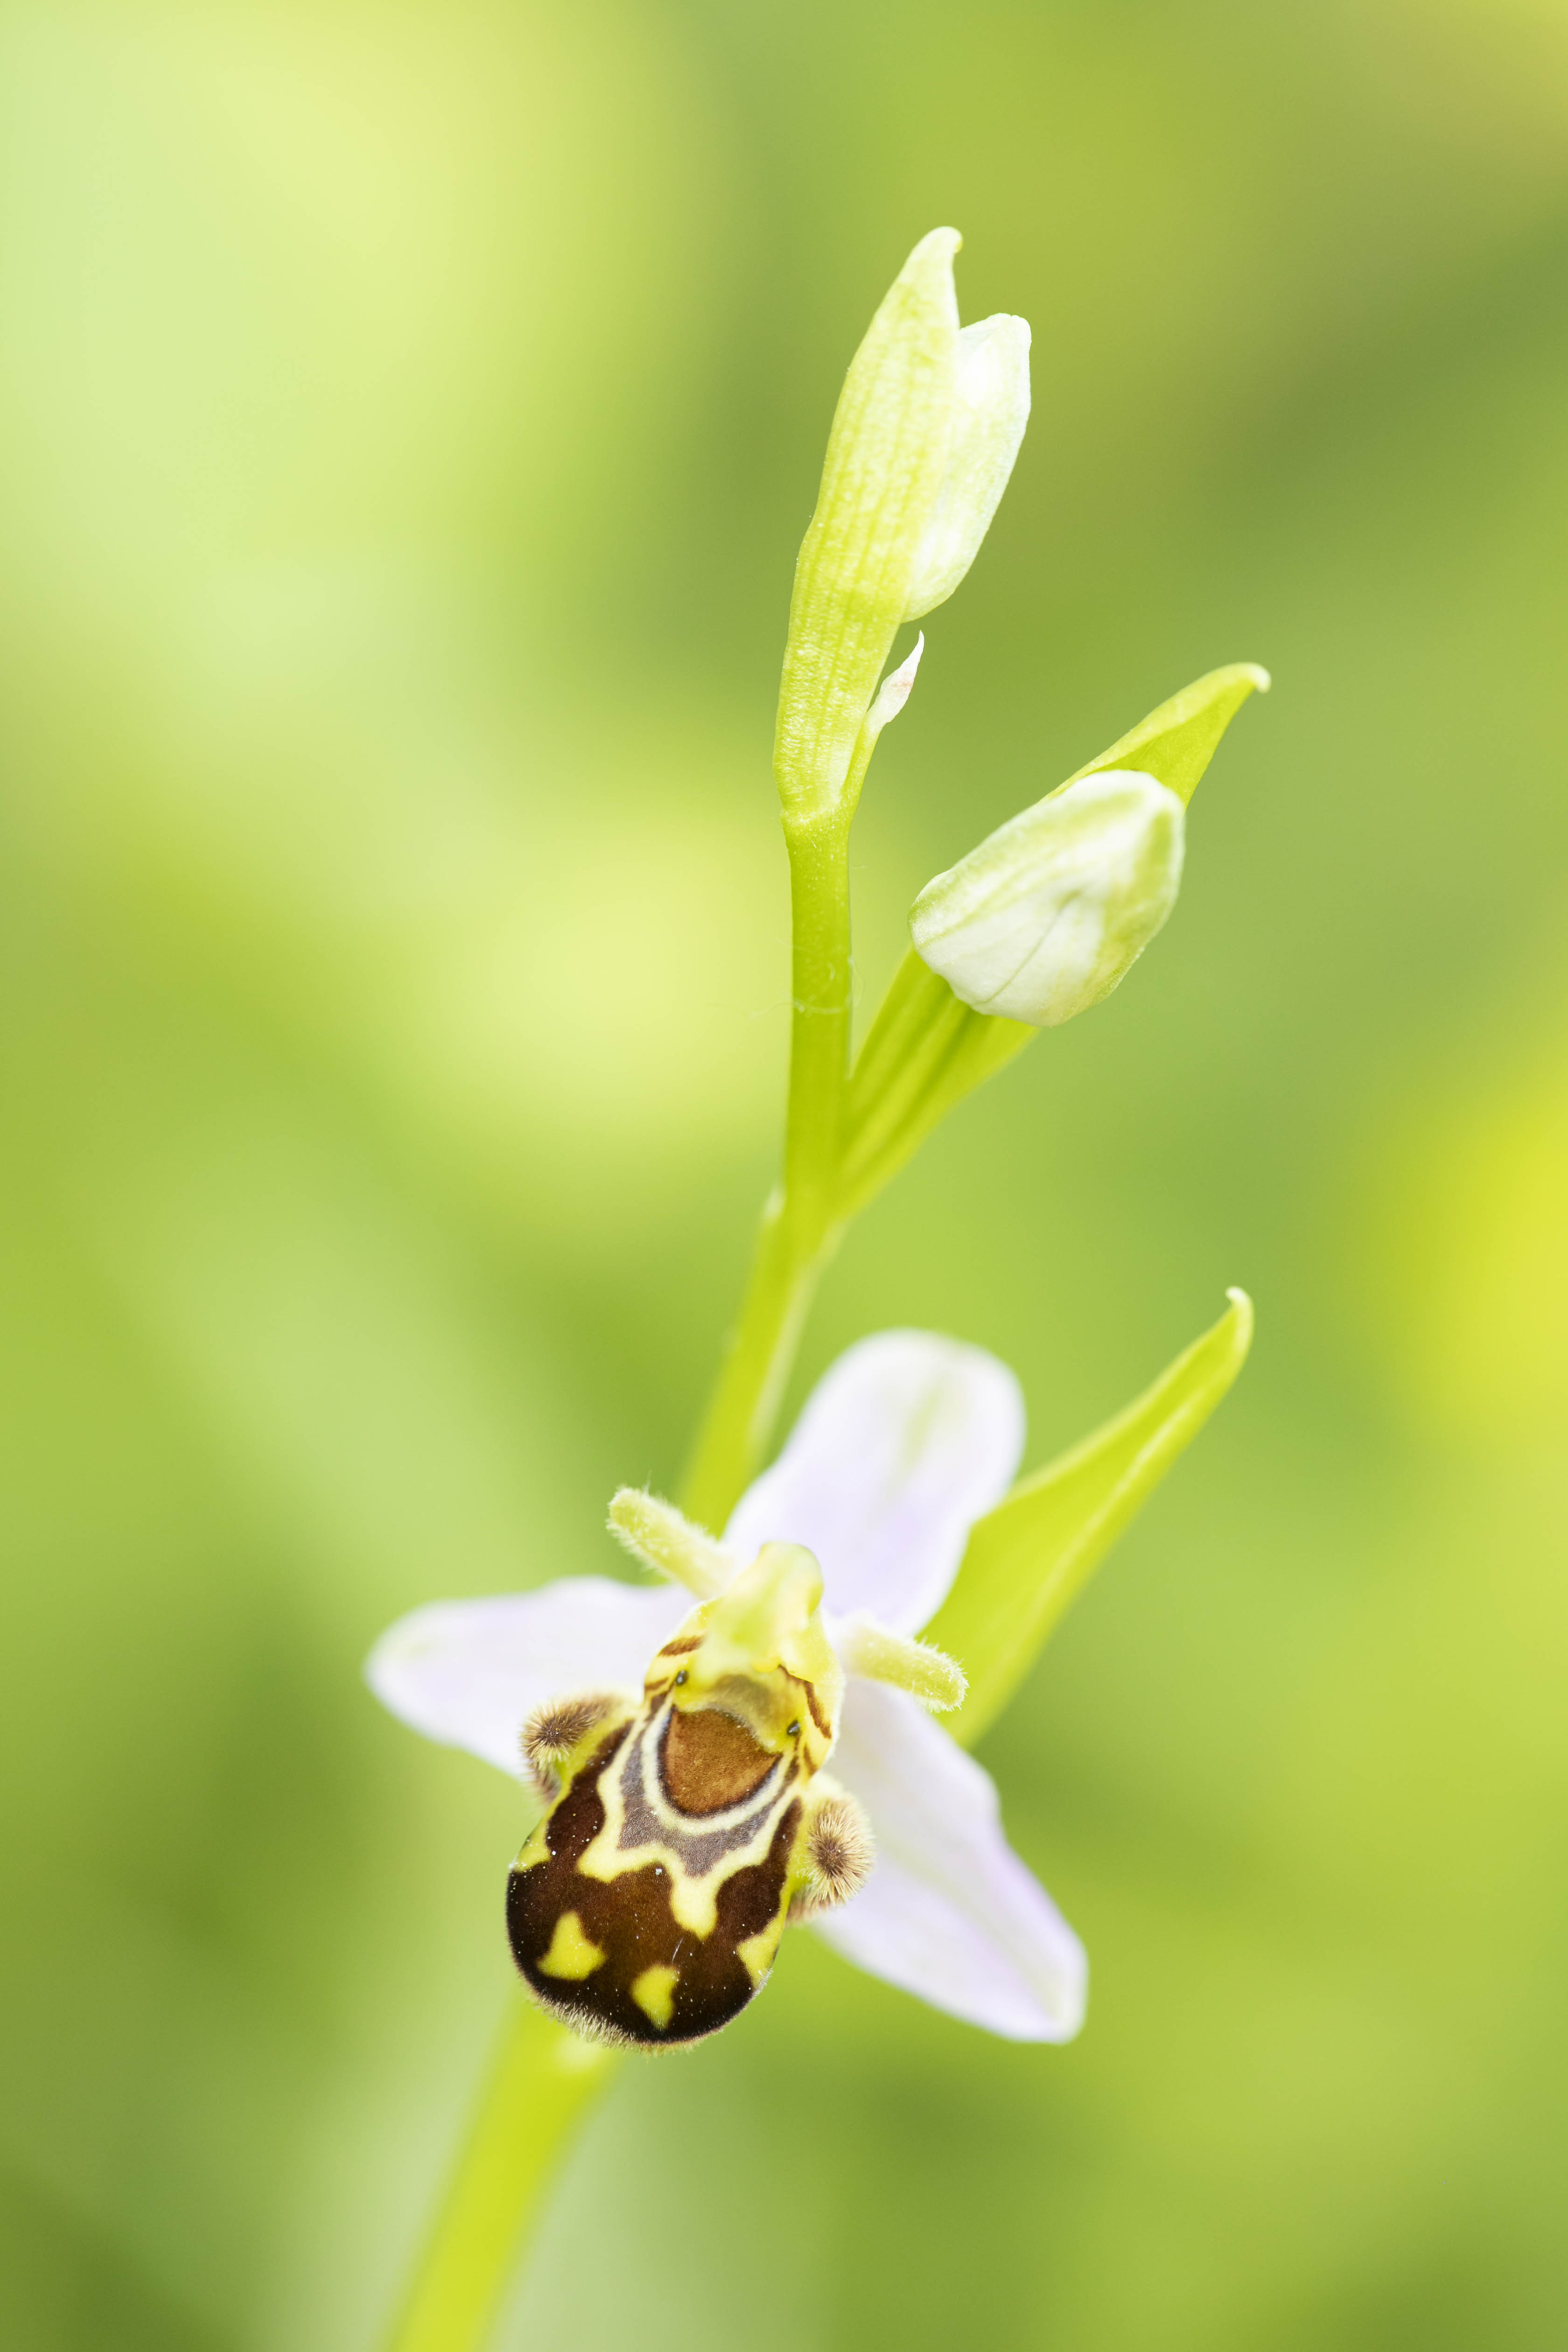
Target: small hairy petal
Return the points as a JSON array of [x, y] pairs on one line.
[[949, 1911], [902, 1444], [662, 1537], [929, 1674], [470, 1673]]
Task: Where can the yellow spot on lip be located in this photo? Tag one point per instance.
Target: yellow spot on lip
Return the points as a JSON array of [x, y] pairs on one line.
[[535, 1848], [756, 1954], [571, 1955], [654, 1993]]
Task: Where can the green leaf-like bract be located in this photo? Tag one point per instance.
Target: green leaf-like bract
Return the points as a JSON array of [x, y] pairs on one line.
[[1175, 743], [924, 1051], [1030, 1556]]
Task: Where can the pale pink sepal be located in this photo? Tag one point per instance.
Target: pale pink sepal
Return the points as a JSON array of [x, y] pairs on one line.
[[469, 1673], [903, 1443], [950, 1913]]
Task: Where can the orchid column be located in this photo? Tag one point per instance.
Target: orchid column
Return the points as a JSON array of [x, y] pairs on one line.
[[923, 440]]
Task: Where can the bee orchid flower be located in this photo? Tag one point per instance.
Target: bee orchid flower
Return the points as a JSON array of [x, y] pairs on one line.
[[714, 1771]]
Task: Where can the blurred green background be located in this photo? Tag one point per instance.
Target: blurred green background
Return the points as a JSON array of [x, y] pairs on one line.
[[409, 414]]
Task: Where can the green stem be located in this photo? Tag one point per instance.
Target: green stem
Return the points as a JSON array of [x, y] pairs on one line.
[[544, 2079], [801, 1223], [545, 2076]]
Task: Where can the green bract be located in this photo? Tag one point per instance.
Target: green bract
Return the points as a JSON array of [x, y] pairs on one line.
[[1176, 742], [1030, 1556], [925, 1050], [923, 439]]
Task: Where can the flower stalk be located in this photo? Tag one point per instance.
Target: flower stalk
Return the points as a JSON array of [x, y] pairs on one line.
[[544, 2080], [802, 1221]]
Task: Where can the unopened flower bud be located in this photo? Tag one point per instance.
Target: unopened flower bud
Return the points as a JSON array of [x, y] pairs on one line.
[[923, 440], [1045, 916], [991, 408]]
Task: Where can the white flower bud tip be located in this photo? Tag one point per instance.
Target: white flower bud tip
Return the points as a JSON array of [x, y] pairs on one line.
[[1047, 914], [991, 408]]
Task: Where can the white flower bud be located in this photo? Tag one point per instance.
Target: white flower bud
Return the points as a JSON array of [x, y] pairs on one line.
[[1045, 916], [887, 461], [991, 409], [923, 439]]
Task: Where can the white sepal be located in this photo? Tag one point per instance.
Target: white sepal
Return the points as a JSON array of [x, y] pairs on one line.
[[470, 1673], [991, 409], [901, 1446], [948, 1911], [1048, 913]]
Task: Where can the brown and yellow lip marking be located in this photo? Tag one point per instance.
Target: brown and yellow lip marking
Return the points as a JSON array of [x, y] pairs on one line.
[[711, 1761], [629, 1919], [571, 1955], [756, 1954], [700, 1852], [654, 1993], [648, 1905]]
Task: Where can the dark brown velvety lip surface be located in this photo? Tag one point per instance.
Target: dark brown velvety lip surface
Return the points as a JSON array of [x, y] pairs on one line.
[[630, 1919]]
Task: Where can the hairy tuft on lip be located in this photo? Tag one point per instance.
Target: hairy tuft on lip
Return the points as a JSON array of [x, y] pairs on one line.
[[554, 1729], [839, 1851]]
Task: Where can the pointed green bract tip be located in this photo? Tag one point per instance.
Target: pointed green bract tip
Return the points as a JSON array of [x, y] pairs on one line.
[[1175, 743], [1242, 1316]]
